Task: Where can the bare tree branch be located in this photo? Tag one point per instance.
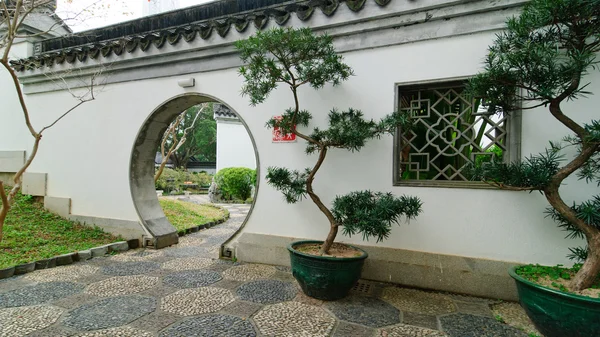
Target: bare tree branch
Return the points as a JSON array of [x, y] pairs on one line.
[[175, 144]]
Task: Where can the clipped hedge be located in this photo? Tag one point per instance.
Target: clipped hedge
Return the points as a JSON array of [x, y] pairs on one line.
[[171, 180], [235, 182]]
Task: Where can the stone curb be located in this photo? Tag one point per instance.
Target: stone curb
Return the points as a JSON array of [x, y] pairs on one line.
[[66, 259], [207, 225]]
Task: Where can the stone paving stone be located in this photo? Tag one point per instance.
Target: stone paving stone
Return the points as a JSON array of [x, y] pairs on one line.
[[293, 319], [117, 332], [284, 269], [191, 279], [138, 255], [52, 331], [364, 310], [62, 273], [130, 268], [39, 293], [212, 325], [111, 312], [159, 292], [101, 261], [345, 329], [189, 263], [464, 325], [228, 284], [287, 277], [191, 251], [249, 272], [155, 321], [473, 308], [24, 320], [242, 308], [218, 267], [122, 285], [13, 283], [197, 301], [216, 232], [75, 301], [403, 330], [92, 278], [190, 240], [302, 298], [513, 315], [418, 301], [267, 291], [418, 319], [470, 298]]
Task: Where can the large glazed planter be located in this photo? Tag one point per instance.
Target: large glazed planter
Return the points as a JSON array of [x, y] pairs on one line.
[[322, 277], [558, 314]]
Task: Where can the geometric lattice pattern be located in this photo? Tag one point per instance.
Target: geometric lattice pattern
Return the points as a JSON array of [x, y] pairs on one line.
[[452, 130]]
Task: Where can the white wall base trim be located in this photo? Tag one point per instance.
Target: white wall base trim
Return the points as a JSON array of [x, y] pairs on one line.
[[126, 228]]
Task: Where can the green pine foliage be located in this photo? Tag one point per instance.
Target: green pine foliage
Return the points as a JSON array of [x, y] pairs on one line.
[[292, 56], [373, 213], [541, 60], [295, 57]]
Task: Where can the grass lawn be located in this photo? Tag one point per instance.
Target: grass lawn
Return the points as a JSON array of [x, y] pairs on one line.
[[31, 233], [184, 215]]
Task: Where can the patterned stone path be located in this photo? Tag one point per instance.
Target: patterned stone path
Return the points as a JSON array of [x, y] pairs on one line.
[[185, 290]]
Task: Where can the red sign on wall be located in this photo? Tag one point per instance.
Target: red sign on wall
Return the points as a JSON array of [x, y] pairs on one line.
[[279, 137]]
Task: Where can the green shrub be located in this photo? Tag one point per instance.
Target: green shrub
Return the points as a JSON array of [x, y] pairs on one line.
[[236, 182]]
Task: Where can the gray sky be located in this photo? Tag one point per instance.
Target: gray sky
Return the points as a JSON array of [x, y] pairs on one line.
[[88, 14]]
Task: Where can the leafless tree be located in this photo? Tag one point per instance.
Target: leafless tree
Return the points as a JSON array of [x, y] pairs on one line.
[[13, 15], [171, 141]]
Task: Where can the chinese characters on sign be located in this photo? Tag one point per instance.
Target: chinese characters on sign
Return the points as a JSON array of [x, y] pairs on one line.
[[279, 137]]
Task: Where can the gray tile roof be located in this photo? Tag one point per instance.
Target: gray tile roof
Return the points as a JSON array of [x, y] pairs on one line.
[[180, 26]]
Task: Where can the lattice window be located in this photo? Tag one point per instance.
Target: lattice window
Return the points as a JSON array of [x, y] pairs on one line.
[[452, 130]]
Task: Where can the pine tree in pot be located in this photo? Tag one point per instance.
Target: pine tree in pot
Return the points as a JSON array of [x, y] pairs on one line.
[[295, 57], [542, 60]]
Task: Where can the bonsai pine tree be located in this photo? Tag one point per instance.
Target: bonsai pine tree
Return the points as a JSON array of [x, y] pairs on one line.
[[295, 57], [541, 61]]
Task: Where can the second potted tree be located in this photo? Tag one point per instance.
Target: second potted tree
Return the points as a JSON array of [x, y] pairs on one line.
[[542, 59]]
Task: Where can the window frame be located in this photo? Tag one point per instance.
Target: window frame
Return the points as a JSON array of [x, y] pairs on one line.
[[513, 136]]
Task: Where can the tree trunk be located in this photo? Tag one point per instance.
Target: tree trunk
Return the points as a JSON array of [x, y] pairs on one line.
[[330, 238], [315, 198], [591, 268], [590, 271], [3, 210]]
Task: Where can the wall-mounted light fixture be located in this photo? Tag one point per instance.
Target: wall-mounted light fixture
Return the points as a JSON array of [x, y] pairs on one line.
[[187, 83]]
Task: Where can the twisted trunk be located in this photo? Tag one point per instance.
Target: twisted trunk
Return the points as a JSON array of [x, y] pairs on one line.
[[333, 226], [591, 268]]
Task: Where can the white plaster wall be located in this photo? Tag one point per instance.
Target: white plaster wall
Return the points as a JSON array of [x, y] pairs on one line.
[[12, 123], [234, 146], [87, 155]]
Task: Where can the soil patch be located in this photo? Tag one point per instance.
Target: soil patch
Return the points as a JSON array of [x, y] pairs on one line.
[[562, 285], [337, 250], [558, 278]]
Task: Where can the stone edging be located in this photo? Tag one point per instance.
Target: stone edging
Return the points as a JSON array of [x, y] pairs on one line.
[[69, 258], [206, 225]]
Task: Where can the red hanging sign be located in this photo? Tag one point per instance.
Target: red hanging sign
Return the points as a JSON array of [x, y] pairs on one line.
[[279, 137]]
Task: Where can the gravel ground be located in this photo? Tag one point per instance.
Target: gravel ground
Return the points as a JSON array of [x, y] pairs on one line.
[[183, 291]]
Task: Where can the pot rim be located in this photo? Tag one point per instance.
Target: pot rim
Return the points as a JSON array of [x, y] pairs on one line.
[[290, 247], [513, 273]]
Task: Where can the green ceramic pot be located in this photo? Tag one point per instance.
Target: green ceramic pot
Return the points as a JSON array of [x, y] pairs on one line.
[[322, 277], [558, 314]]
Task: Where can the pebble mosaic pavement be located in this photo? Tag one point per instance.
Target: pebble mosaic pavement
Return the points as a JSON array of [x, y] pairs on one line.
[[185, 291]]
